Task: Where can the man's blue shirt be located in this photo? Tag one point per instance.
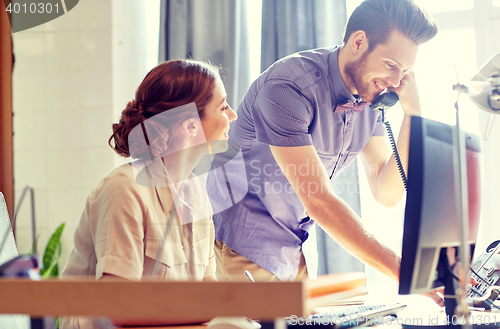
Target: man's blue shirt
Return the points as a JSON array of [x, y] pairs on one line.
[[291, 104]]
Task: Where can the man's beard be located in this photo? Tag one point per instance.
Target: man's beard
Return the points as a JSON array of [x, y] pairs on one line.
[[354, 72]]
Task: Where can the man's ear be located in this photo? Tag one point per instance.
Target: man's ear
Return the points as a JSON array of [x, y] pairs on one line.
[[359, 43]]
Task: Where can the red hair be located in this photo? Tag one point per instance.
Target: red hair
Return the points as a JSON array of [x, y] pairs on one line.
[[167, 86]]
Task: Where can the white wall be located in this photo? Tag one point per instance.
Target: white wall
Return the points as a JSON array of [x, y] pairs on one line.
[[72, 78]]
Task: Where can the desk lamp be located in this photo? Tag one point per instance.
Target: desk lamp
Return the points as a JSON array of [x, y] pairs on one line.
[[23, 265], [484, 91], [484, 88]]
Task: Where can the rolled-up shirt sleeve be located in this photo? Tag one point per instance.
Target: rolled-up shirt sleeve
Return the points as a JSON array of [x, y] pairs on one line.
[[119, 231], [282, 115]]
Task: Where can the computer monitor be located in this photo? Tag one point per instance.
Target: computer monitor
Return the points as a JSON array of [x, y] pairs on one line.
[[431, 223]]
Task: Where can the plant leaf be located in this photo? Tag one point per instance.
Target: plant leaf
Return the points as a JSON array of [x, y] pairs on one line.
[[50, 251], [53, 269]]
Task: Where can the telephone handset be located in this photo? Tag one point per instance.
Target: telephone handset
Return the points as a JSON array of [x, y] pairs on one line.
[[383, 102]]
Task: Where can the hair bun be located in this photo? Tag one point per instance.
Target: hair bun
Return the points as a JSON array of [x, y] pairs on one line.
[[139, 106], [136, 106]]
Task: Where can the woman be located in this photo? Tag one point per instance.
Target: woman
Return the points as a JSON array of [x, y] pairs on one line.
[[152, 217]]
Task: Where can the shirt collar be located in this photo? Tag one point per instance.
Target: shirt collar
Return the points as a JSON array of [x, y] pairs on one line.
[[340, 93], [151, 174]]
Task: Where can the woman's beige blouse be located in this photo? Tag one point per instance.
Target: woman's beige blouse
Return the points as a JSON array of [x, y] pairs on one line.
[[123, 225]]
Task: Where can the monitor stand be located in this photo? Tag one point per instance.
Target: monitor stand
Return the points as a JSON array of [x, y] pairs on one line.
[[450, 303]]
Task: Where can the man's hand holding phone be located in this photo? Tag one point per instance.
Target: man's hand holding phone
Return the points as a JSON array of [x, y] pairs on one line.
[[408, 94]]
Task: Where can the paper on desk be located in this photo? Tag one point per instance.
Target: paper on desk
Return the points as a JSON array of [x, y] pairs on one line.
[[335, 299]]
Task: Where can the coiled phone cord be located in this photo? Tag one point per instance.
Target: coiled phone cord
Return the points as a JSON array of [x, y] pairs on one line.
[[395, 150]]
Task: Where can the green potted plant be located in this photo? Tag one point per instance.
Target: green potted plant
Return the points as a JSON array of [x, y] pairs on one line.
[[52, 254]]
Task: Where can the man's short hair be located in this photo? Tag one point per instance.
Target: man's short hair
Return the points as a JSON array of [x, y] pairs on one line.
[[378, 18]]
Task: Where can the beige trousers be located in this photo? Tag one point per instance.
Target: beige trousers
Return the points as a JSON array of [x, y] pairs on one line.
[[231, 265]]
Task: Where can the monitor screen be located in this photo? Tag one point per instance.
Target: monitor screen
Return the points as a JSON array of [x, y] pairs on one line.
[[431, 222]]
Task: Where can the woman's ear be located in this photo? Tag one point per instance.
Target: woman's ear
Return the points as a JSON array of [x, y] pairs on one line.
[[190, 127]]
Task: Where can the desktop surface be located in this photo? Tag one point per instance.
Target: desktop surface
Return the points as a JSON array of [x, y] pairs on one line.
[[417, 307], [199, 326], [420, 312]]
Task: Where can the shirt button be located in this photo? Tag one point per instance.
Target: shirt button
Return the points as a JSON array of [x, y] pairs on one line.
[[318, 73]]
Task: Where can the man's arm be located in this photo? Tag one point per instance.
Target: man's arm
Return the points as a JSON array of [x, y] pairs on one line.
[[315, 191], [380, 166]]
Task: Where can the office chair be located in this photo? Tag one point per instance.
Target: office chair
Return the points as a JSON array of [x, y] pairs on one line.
[[8, 251]]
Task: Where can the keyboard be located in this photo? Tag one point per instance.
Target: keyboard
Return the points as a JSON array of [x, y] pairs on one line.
[[349, 316]]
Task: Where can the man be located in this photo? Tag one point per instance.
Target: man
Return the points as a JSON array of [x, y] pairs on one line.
[[295, 133]]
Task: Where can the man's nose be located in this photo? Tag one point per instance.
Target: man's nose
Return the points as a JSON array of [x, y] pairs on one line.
[[395, 79]]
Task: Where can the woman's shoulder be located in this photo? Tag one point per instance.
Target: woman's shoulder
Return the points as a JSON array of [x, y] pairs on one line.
[[137, 173], [121, 174], [119, 178]]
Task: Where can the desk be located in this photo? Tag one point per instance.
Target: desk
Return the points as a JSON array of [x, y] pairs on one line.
[[171, 327], [262, 300], [145, 299]]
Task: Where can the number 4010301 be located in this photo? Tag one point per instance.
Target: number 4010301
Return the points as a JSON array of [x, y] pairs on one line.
[[33, 8], [473, 319]]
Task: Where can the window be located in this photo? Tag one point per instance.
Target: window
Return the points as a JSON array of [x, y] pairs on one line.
[[438, 63], [445, 5], [254, 23], [152, 35]]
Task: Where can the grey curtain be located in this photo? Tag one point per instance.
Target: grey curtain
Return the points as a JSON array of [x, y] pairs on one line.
[[214, 30], [289, 26]]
